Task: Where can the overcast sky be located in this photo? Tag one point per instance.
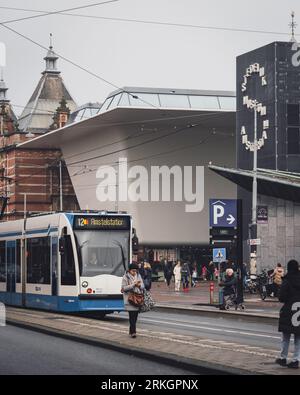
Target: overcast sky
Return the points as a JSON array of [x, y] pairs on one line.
[[134, 54]]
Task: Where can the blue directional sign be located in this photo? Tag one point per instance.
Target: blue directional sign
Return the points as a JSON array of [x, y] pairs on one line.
[[219, 255], [223, 213]]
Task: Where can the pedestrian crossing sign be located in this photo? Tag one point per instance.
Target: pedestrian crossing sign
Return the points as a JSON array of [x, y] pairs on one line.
[[219, 255]]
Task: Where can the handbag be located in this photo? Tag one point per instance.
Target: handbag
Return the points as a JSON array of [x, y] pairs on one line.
[[136, 299], [148, 303]]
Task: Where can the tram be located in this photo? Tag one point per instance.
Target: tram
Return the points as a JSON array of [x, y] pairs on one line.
[[68, 262]]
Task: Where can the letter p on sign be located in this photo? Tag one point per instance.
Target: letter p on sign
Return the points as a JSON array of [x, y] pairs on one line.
[[2, 55], [219, 212]]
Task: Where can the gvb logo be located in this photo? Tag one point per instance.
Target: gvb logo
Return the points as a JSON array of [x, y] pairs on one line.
[[296, 316], [2, 315], [2, 55]]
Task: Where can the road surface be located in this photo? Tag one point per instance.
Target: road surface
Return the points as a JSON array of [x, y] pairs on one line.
[[30, 353]]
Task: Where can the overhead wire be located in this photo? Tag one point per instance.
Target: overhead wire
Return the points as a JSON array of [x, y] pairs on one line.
[[149, 22], [47, 13]]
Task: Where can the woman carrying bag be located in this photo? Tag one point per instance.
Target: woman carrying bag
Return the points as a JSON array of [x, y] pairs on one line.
[[133, 295]]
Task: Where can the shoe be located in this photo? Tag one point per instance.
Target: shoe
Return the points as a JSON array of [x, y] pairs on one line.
[[133, 335], [293, 365], [281, 362]]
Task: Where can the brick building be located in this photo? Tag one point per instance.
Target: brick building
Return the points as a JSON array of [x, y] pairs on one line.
[[40, 174]]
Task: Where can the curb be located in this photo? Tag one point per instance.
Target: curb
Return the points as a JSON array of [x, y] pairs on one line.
[[195, 310], [192, 365]]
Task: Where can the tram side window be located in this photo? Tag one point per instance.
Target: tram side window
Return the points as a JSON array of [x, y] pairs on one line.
[[68, 273], [18, 262], [38, 260], [2, 262]]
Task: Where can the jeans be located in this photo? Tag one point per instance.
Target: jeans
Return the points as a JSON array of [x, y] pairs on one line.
[[133, 316], [285, 343], [185, 282]]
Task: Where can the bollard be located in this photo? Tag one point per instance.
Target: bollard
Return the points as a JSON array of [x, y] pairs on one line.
[[211, 292]]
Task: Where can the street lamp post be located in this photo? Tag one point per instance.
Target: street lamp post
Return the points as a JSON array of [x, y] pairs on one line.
[[254, 147]]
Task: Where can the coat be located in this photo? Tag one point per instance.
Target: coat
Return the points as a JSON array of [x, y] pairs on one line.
[[147, 277], [185, 271], [290, 295], [278, 275], [229, 285], [128, 286], [177, 273], [168, 270]]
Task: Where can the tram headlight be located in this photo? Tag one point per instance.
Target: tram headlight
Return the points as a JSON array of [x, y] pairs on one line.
[[85, 284]]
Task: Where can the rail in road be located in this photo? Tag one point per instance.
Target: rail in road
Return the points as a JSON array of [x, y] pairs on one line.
[[207, 345]]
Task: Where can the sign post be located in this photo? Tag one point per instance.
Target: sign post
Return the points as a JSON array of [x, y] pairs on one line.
[[226, 235]]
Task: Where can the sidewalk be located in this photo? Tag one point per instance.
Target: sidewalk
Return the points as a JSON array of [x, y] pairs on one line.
[[199, 297], [204, 355]]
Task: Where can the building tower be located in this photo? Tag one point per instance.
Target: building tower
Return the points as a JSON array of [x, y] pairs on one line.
[[40, 175], [37, 116]]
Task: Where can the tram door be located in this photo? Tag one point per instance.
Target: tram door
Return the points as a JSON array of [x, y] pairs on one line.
[[11, 270]]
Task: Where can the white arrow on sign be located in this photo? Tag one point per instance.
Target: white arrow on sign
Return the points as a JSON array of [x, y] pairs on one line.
[[230, 219]]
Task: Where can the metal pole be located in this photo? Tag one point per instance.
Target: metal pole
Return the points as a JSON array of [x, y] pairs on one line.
[[60, 187], [24, 271], [254, 193], [117, 190], [254, 189]]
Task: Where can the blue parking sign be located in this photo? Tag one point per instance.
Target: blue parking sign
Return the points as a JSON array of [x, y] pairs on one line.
[[223, 213]]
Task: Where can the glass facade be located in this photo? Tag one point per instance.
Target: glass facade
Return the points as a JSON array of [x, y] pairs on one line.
[[174, 101], [171, 100]]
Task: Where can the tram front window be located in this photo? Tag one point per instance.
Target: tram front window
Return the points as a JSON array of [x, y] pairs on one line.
[[102, 252]]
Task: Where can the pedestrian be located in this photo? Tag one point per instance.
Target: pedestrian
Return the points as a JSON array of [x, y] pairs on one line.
[[177, 275], [185, 276], [132, 282], [210, 271], [141, 268], [204, 272], [229, 288], [194, 277], [277, 277], [289, 322], [216, 273], [147, 276], [168, 272], [253, 267]]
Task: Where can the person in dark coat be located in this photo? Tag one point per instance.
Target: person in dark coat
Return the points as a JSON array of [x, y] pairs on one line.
[[147, 278], [289, 321], [210, 271], [185, 276], [168, 272], [229, 284], [132, 282]]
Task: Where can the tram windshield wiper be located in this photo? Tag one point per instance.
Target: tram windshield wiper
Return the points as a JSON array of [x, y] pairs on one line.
[[83, 244]]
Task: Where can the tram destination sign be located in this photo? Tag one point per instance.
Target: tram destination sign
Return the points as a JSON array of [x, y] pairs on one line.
[[102, 223]]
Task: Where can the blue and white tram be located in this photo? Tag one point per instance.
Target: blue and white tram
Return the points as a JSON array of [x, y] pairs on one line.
[[65, 261]]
